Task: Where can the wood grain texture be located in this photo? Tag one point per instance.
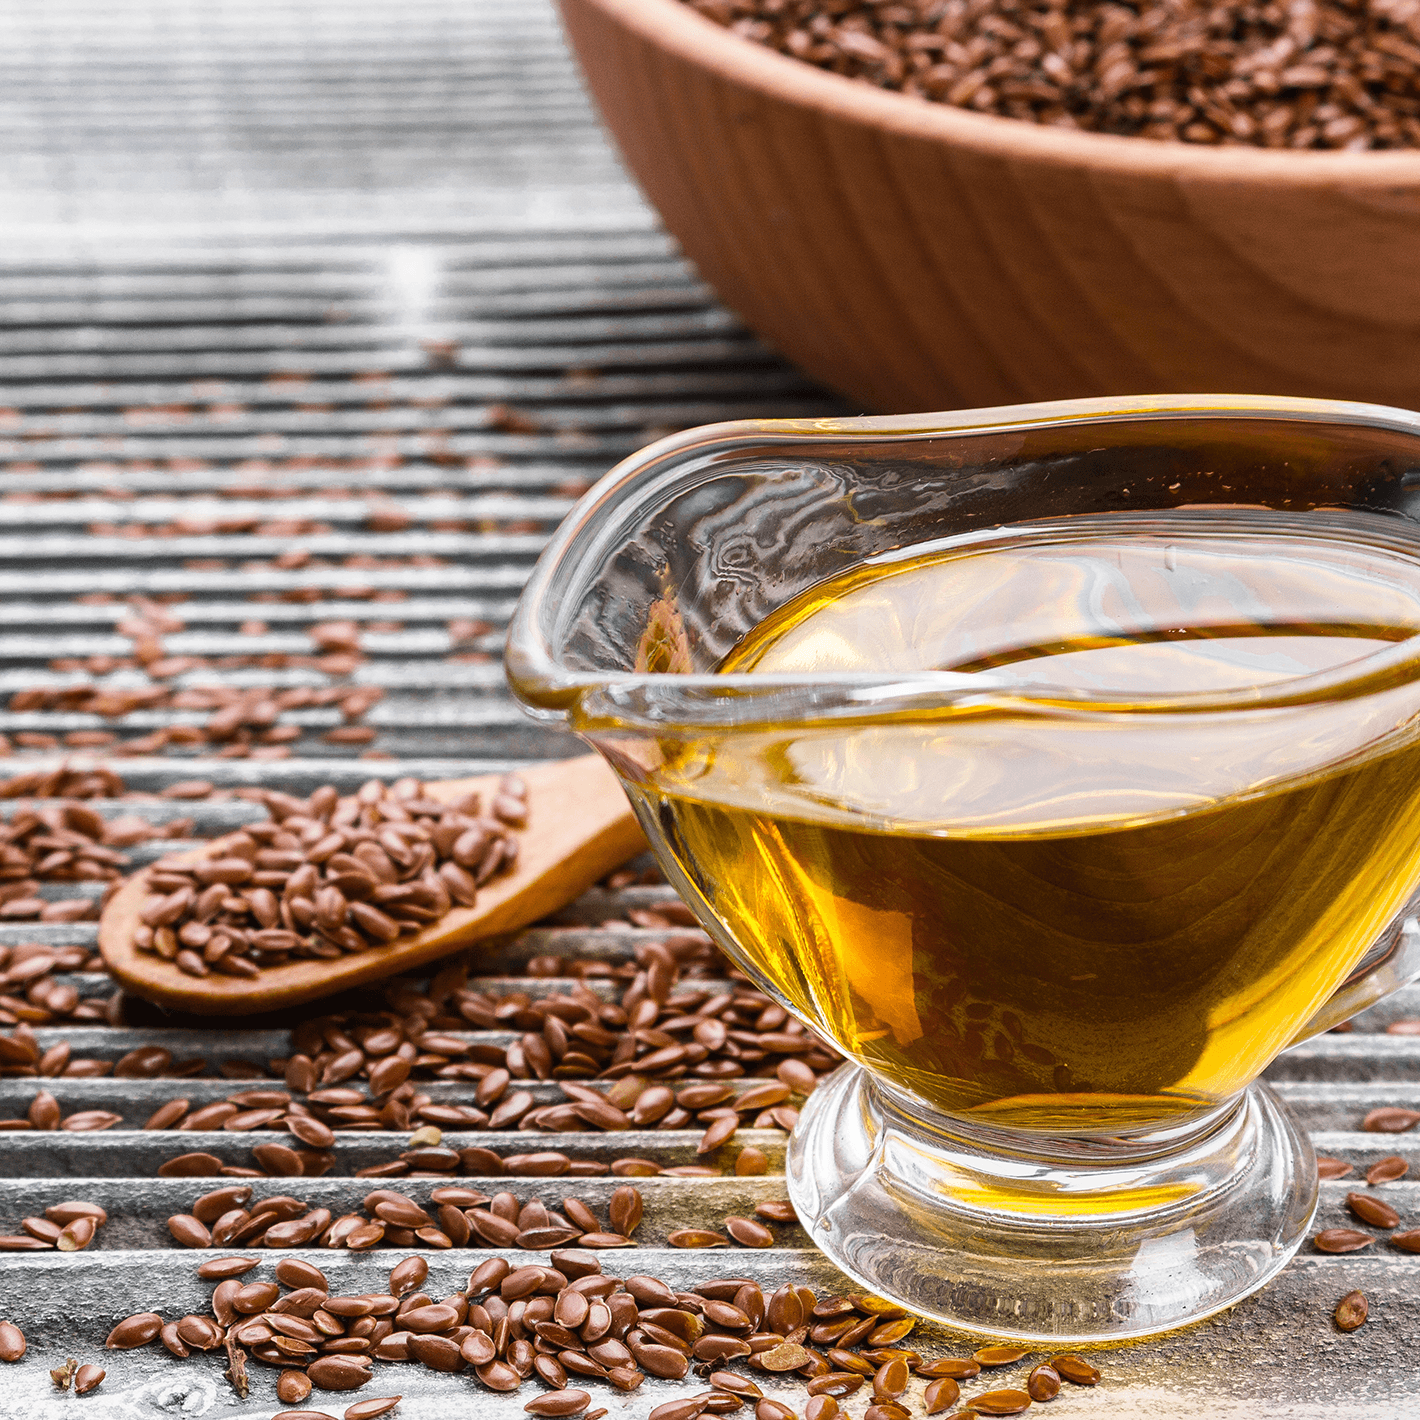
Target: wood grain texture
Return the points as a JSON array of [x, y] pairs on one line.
[[917, 256], [580, 826]]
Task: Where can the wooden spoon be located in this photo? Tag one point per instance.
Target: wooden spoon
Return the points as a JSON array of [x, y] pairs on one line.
[[579, 828]]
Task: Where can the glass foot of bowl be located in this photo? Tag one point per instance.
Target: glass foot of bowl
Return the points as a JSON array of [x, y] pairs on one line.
[[1057, 1240]]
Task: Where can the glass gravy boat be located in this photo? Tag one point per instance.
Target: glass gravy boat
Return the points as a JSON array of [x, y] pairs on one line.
[[1050, 1125]]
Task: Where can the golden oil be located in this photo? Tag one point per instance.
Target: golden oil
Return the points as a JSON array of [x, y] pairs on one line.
[[1056, 917]]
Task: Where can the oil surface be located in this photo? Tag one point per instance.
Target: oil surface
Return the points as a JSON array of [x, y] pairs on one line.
[[1055, 921]]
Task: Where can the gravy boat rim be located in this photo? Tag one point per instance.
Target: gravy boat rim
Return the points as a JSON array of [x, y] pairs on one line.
[[659, 702]]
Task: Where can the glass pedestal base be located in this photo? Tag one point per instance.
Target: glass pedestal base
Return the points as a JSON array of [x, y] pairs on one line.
[[1056, 1240]]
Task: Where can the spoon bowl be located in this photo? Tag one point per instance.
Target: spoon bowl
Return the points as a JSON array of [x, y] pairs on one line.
[[579, 827]]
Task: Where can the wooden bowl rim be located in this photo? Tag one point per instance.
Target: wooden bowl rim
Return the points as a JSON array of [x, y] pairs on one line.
[[675, 27]]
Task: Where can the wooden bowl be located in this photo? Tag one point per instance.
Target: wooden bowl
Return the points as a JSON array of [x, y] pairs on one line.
[[918, 256]]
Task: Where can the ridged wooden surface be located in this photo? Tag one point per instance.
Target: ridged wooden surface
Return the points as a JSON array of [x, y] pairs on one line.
[[486, 213], [920, 257]]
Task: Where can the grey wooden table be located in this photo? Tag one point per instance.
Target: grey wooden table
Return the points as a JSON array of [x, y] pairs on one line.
[[268, 270]]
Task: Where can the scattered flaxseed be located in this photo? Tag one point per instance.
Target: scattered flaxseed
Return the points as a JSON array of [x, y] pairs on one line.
[[1351, 1311], [12, 1341], [1075, 1369], [1372, 1210], [1332, 1168], [1338, 1240], [1390, 1120], [87, 1378], [1387, 1170]]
